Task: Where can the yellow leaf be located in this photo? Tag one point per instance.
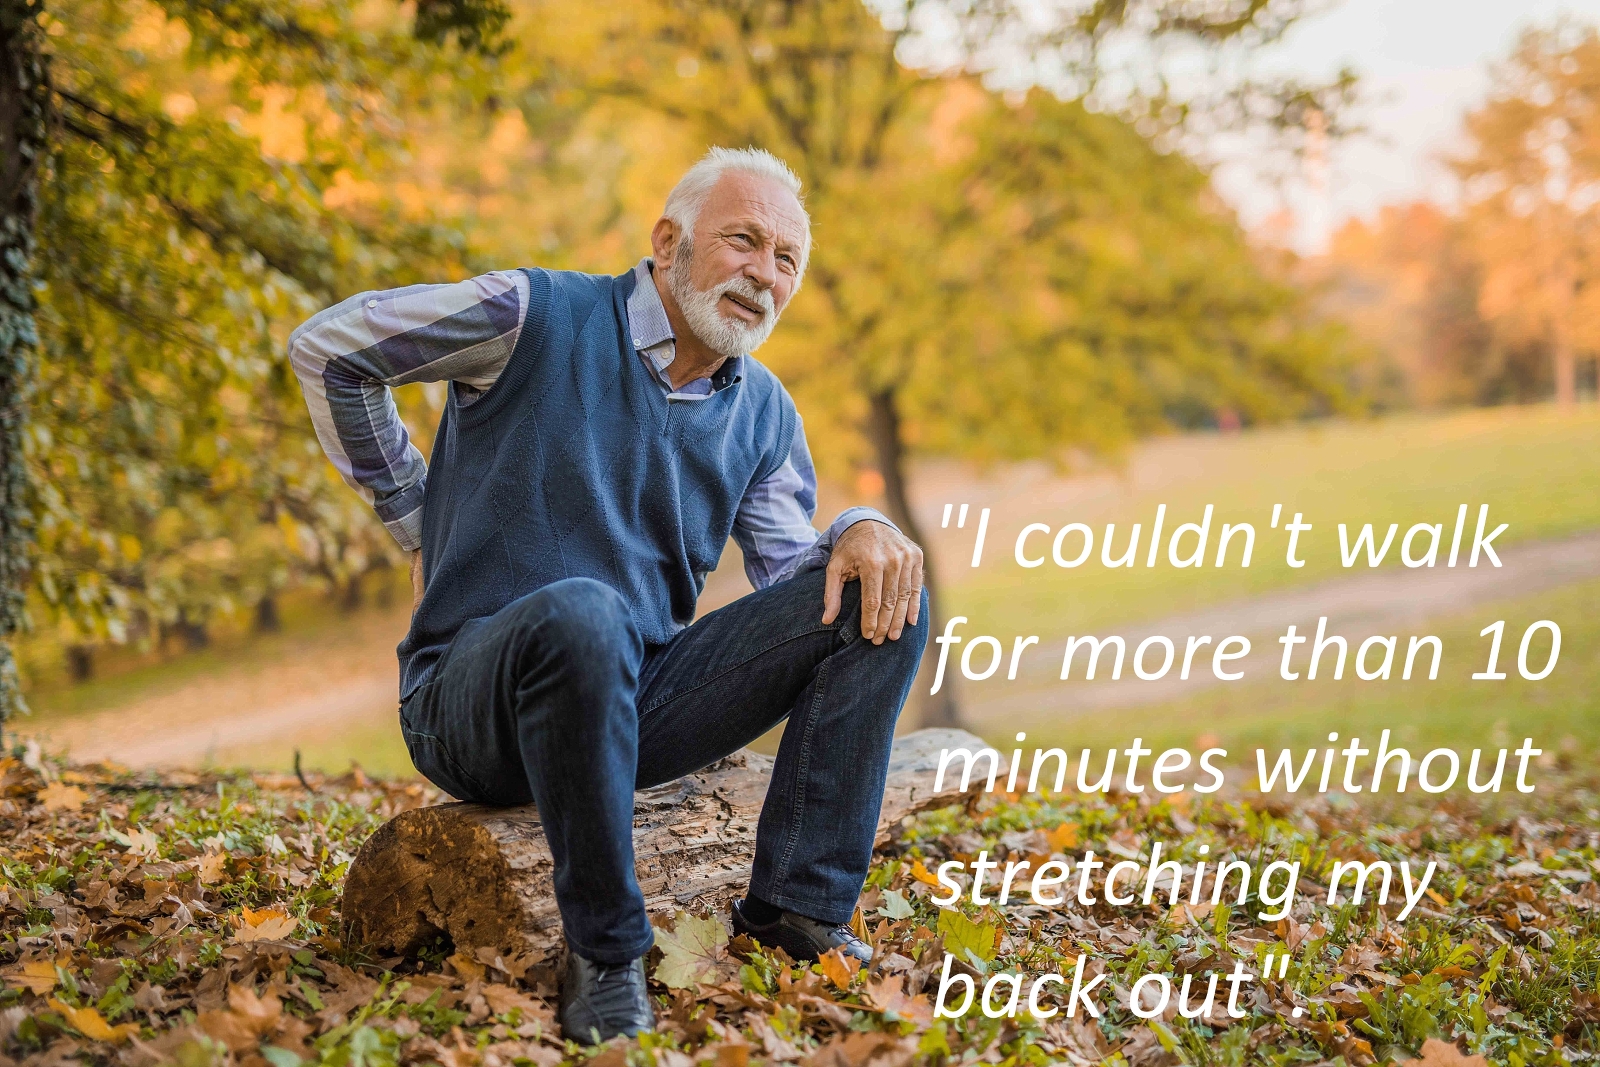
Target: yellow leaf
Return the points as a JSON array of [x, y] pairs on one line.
[[36, 976], [268, 924], [922, 874], [1438, 898], [89, 1023], [838, 968], [467, 967], [962, 935], [57, 796], [1063, 837]]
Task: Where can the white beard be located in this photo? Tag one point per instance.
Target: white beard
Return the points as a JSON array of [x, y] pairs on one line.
[[724, 336]]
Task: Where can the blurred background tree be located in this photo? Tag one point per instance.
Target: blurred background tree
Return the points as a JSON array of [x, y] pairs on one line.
[[1498, 301], [1532, 184], [185, 224], [993, 279]]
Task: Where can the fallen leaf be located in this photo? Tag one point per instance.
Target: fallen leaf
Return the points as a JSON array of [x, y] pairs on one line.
[[90, 1023], [268, 924], [1436, 1053], [895, 905], [690, 952], [922, 874], [888, 995], [838, 968], [212, 868], [962, 935], [1063, 837], [467, 966], [58, 796], [142, 843], [36, 976]]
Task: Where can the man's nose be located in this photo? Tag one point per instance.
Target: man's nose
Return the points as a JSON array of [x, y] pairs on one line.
[[762, 268]]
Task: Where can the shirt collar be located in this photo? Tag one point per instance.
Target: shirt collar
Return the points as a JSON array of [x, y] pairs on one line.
[[651, 330]]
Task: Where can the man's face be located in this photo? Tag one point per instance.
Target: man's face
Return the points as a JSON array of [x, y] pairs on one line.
[[743, 262]]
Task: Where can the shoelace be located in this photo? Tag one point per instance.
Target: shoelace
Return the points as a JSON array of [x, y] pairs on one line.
[[613, 981], [843, 929]]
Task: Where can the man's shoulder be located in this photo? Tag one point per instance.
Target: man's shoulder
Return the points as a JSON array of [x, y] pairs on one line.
[[571, 294], [761, 379]]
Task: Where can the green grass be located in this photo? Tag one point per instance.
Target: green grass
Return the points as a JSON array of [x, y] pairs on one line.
[[123, 674], [1536, 467], [1561, 713], [375, 744]]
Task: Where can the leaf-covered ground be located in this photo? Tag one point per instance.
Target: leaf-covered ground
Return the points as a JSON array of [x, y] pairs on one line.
[[194, 919]]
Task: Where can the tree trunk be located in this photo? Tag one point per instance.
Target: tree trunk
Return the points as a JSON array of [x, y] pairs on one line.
[[80, 662], [483, 877], [24, 111], [883, 429], [1566, 368], [267, 620]]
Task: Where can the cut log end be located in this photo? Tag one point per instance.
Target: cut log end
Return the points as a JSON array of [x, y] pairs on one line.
[[484, 877]]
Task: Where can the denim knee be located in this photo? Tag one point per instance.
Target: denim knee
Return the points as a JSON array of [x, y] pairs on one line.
[[581, 623]]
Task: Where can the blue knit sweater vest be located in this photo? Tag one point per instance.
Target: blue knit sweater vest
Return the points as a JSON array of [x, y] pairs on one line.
[[575, 464]]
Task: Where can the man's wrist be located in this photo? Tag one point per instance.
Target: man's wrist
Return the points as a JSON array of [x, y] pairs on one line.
[[849, 517]]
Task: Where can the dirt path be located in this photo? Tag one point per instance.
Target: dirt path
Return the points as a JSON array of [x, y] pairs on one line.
[[283, 689], [1390, 601]]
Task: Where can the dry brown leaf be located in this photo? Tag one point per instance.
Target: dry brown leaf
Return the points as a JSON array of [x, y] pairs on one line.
[[212, 868], [1436, 1053], [58, 796], [503, 998], [888, 995]]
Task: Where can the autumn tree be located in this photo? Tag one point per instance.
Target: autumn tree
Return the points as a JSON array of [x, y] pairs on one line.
[[170, 470], [1532, 190], [989, 280]]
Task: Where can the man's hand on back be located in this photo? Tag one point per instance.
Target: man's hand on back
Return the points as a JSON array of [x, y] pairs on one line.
[[889, 565], [416, 579]]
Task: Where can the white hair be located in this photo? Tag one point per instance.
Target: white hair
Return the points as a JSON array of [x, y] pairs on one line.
[[690, 194]]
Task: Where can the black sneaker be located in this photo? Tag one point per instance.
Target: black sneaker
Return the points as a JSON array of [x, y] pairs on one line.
[[601, 1001], [802, 938]]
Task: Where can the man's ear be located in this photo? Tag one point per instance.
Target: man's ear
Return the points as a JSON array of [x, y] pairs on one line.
[[664, 241]]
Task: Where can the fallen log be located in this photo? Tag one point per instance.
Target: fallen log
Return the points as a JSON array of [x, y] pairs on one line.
[[483, 876]]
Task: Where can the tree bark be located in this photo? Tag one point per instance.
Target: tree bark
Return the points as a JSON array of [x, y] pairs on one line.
[[483, 877], [24, 127], [1566, 373], [883, 429], [267, 619]]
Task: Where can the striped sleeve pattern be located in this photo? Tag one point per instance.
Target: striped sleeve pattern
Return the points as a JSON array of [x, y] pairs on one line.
[[773, 525], [348, 356]]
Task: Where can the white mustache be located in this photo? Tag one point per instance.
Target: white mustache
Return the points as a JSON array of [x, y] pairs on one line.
[[743, 287]]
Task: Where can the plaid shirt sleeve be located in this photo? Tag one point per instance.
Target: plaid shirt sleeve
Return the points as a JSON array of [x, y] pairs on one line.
[[348, 356], [773, 524]]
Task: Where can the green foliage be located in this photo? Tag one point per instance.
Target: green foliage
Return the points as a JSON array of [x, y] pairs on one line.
[[186, 227]]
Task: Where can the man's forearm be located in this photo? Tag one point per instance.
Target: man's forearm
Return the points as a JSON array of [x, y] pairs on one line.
[[348, 356]]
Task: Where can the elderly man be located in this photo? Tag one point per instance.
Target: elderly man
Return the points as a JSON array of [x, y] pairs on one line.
[[603, 437]]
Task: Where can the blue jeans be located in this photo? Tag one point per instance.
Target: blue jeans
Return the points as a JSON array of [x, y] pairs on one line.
[[556, 700]]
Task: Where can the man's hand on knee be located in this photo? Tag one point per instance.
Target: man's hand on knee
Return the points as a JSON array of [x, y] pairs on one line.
[[889, 566]]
